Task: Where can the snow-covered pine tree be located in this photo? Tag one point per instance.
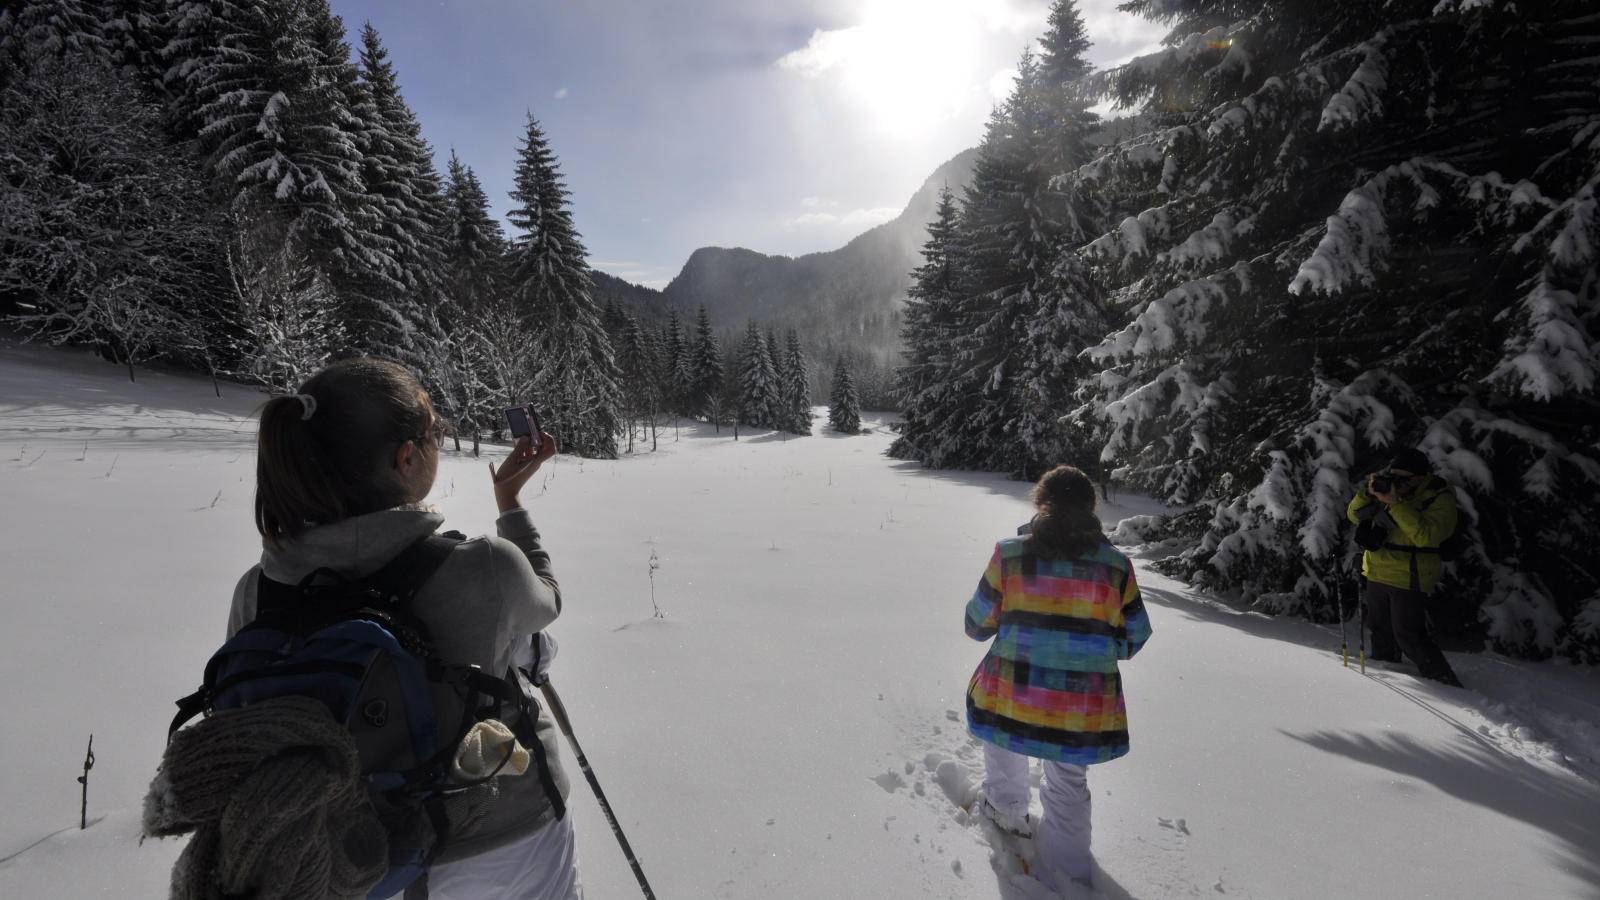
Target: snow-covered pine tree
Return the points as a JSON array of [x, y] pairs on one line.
[[134, 33], [106, 232], [758, 381], [1354, 227], [923, 384], [412, 217], [639, 367], [269, 91], [475, 244], [677, 362], [775, 358], [707, 368], [49, 30], [844, 408], [473, 249], [723, 401], [576, 384], [795, 377], [1025, 310]]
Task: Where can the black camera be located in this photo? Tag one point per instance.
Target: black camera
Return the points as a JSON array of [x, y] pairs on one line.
[[1382, 483]]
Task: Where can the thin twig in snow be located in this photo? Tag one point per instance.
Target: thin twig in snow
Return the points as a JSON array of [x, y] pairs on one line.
[[215, 499], [36, 458], [654, 565], [113, 464]]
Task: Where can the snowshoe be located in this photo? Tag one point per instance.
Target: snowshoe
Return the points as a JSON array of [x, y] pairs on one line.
[[1009, 822]]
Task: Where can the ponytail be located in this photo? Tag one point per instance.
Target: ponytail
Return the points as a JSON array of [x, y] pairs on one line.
[[321, 454], [1065, 526]]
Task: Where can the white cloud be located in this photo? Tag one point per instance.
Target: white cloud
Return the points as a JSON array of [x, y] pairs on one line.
[[814, 202], [857, 218], [826, 50], [812, 219], [875, 216], [561, 93]]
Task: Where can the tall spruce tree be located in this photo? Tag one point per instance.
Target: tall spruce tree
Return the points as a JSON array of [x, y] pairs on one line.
[[795, 378], [1010, 243], [640, 368], [412, 216], [844, 405], [925, 384], [758, 381], [1347, 229], [269, 91], [576, 382], [708, 370], [677, 364], [1003, 306], [474, 243]]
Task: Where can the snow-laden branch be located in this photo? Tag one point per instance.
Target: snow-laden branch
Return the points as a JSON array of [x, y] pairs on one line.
[[1361, 96]]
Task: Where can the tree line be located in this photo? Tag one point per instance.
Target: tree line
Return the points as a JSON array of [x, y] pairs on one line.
[[1322, 232], [230, 187]]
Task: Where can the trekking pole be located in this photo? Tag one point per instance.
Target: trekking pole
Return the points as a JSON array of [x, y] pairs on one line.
[[1344, 640], [1361, 635], [560, 713]]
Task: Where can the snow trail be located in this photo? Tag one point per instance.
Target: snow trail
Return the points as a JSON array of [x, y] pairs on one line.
[[811, 649]]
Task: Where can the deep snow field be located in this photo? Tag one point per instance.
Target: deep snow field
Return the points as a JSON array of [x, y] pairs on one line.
[[792, 727]]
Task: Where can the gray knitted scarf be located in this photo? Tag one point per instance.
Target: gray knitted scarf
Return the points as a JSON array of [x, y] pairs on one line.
[[272, 792]]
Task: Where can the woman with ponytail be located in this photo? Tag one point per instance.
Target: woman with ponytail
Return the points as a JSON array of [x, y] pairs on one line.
[[1062, 607], [343, 469]]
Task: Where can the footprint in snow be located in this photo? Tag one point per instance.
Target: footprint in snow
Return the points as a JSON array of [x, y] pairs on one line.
[[890, 781], [1178, 825]]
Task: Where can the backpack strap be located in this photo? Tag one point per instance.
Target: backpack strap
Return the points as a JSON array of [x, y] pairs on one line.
[[391, 588], [306, 607]]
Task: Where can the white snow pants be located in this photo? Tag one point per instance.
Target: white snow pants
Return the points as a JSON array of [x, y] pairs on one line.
[[1061, 838], [541, 866]]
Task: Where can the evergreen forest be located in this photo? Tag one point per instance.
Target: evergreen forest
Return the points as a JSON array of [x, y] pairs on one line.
[[1308, 235], [240, 189], [1315, 233]]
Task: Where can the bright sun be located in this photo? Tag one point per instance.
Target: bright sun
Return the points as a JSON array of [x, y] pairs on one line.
[[911, 63]]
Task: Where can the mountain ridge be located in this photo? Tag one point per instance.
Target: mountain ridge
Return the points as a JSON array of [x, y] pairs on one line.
[[842, 302]]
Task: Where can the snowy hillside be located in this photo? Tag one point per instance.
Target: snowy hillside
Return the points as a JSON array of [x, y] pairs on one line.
[[791, 728]]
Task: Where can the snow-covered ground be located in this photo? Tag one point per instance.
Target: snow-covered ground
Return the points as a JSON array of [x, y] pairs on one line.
[[792, 727]]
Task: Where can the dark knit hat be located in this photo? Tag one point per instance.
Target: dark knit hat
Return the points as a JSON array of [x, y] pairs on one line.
[[1412, 460]]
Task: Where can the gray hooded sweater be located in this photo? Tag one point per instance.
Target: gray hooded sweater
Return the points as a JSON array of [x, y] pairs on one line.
[[490, 594]]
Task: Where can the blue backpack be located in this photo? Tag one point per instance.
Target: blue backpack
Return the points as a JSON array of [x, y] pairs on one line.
[[356, 646]]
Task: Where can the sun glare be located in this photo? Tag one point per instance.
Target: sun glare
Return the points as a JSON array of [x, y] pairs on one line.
[[915, 63]]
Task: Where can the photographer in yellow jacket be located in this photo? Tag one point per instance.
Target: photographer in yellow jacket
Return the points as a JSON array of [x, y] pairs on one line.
[[1402, 516]]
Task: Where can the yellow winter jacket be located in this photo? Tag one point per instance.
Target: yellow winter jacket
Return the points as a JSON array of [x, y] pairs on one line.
[[1423, 519]]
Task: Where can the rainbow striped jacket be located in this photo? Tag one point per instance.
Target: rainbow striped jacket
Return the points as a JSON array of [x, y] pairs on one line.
[[1049, 686]]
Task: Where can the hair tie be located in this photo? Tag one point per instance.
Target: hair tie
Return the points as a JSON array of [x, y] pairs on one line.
[[310, 403]]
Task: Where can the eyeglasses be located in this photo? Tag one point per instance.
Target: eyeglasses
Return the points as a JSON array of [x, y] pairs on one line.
[[435, 437]]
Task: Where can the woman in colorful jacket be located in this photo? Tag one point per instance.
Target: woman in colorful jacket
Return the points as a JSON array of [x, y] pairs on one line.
[[1062, 607]]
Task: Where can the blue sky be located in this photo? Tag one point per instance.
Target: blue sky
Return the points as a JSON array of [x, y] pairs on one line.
[[785, 127]]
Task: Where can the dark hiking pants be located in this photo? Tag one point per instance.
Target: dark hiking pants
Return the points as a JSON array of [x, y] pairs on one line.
[[1398, 619]]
